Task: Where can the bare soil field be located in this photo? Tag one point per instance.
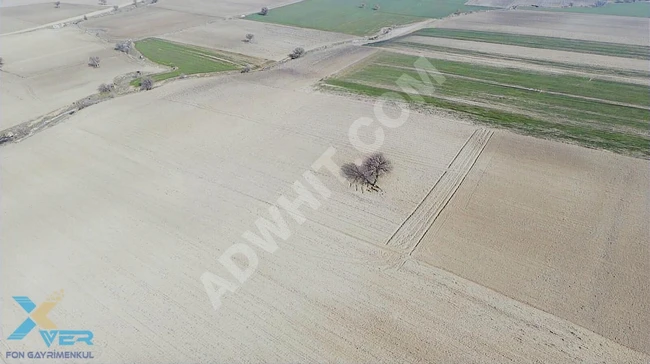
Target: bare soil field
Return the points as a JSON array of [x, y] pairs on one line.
[[26, 16], [540, 3], [273, 42], [12, 3], [535, 53], [559, 227], [603, 28], [223, 8], [144, 22], [137, 197], [48, 69], [482, 247]]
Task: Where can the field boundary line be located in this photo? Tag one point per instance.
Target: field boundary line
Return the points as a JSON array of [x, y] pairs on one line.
[[410, 233], [430, 190]]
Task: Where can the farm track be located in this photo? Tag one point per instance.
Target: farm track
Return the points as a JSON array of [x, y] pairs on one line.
[[409, 234]]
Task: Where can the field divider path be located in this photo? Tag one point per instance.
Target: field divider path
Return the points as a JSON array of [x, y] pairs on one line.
[[409, 234]]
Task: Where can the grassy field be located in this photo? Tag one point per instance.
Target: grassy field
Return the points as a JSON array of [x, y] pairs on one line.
[[187, 59], [397, 43], [638, 9], [532, 41], [345, 16], [388, 63], [546, 105]]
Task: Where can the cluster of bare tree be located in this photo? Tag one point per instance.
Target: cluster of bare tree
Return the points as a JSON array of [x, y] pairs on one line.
[[264, 11], [367, 174], [297, 53], [94, 61]]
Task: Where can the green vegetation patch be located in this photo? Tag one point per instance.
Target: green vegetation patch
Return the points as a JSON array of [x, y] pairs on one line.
[[547, 105], [394, 64], [345, 16], [187, 59], [397, 43], [637, 9], [534, 41], [581, 134]]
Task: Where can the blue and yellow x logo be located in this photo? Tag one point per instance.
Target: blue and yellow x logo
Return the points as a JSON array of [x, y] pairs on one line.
[[37, 314]]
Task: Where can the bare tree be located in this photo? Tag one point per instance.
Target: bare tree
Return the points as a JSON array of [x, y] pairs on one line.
[[2, 62], [246, 69], [297, 53], [376, 7], [367, 174], [85, 17], [102, 2], [57, 4], [116, 8], [264, 11], [105, 87], [135, 3], [375, 166], [249, 37], [124, 46], [146, 84], [354, 174], [363, 5], [93, 61]]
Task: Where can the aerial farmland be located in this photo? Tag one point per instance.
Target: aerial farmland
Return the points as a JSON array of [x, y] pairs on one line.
[[280, 181]]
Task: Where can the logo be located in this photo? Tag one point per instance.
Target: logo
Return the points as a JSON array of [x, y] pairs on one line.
[[37, 316]]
